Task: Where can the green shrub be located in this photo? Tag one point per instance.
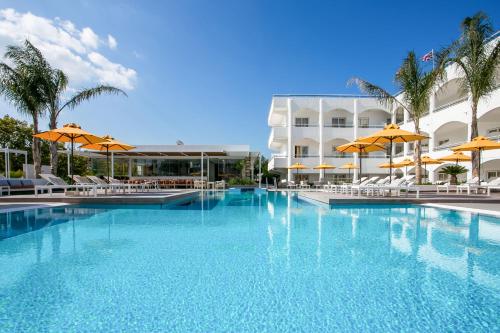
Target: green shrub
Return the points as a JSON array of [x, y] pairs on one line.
[[240, 181], [16, 174]]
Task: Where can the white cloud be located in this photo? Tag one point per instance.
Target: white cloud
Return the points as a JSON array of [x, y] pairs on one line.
[[66, 47], [89, 38], [112, 43]]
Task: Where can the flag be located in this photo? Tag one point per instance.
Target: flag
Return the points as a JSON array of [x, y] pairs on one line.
[[428, 56]]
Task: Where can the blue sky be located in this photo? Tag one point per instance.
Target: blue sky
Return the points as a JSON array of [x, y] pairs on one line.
[[205, 71]]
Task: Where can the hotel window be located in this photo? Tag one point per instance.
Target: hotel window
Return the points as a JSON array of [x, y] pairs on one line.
[[301, 122], [493, 174], [338, 122], [443, 177], [301, 151], [336, 153], [363, 122]]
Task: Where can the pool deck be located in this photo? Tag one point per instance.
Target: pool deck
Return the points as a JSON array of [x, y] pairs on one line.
[[473, 203], [30, 201]]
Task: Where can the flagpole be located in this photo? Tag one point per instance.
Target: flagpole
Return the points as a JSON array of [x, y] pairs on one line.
[[432, 53]]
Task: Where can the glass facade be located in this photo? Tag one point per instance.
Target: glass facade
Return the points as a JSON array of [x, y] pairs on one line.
[[219, 168]]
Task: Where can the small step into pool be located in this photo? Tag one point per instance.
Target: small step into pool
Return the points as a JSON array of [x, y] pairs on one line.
[[249, 262]]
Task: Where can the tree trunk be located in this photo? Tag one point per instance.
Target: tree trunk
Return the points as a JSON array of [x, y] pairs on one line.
[[474, 133], [37, 158], [417, 155], [53, 145], [453, 180]]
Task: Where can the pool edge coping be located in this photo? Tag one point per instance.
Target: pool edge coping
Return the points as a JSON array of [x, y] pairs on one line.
[[463, 209]]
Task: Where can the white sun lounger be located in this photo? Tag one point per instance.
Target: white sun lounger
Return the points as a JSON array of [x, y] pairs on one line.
[[57, 183], [359, 188]]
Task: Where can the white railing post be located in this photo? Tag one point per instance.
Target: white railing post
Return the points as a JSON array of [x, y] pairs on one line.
[[355, 127]]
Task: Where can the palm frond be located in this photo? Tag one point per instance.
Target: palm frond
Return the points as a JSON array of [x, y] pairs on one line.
[[87, 94], [373, 90]]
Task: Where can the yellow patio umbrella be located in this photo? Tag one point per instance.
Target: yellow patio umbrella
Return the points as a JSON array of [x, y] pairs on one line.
[[428, 160], [405, 163], [72, 133], [359, 146], [297, 167], [108, 143], [324, 166], [349, 166], [456, 157], [478, 144], [390, 134]]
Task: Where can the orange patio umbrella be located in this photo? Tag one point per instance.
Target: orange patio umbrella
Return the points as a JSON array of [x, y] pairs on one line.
[[72, 133], [428, 160], [297, 167], [390, 134], [456, 157], [349, 166], [478, 144], [324, 166], [359, 146], [405, 163], [108, 143]]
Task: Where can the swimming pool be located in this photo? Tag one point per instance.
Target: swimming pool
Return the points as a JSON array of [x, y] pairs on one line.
[[248, 263]]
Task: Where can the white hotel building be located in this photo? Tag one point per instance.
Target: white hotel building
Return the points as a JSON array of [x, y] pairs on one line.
[[308, 128]]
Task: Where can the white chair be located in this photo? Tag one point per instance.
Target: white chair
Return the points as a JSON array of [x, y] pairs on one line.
[[304, 184], [360, 187], [470, 184], [291, 184]]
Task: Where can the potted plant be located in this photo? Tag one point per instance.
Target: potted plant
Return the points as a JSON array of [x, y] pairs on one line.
[[453, 171]]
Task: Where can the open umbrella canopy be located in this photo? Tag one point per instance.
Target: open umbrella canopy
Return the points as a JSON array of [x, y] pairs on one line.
[[349, 166], [392, 133], [457, 156], [359, 146], [72, 133], [477, 144], [389, 165], [69, 133], [324, 167], [429, 160], [108, 144], [297, 166], [405, 163]]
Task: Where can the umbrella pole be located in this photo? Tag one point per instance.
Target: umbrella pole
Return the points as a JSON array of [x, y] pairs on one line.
[[107, 161], [360, 166], [390, 160], [71, 166], [479, 168]]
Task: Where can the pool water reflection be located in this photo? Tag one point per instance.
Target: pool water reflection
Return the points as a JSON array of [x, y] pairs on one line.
[[248, 262]]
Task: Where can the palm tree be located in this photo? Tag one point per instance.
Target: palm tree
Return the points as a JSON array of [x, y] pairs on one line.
[[54, 89], [53, 86], [477, 57], [21, 84], [416, 86]]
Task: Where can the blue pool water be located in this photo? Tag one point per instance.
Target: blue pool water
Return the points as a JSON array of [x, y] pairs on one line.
[[249, 263]]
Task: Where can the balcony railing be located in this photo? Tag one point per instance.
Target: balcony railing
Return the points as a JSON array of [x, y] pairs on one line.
[[337, 155], [372, 126], [447, 105], [346, 125], [305, 125], [305, 156], [449, 145]]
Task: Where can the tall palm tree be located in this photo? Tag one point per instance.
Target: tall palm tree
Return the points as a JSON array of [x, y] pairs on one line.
[[54, 90], [53, 85], [20, 84], [477, 57], [416, 86]]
